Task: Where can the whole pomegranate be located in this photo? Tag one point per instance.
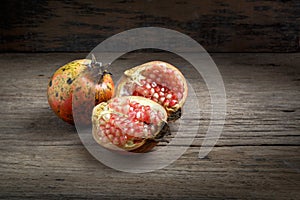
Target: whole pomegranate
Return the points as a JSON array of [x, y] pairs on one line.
[[130, 123], [79, 75], [159, 81]]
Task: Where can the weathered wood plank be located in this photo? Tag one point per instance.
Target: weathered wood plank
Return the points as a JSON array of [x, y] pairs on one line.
[[257, 155], [70, 172], [230, 26]]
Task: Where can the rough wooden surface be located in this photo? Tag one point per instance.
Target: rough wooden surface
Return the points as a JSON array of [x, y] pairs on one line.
[[220, 26], [257, 156]]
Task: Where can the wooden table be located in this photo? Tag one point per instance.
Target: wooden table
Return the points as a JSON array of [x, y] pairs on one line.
[[257, 155]]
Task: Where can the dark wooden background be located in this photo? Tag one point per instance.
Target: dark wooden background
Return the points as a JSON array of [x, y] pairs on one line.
[[218, 25], [258, 153]]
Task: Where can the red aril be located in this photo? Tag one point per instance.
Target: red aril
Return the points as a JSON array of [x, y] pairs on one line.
[[129, 123], [159, 81]]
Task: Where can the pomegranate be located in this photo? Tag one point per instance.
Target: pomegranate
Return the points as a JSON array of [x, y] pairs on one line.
[[79, 75], [129, 123], [159, 81]]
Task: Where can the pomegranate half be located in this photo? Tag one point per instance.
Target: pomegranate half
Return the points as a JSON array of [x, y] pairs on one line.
[[129, 123], [159, 81]]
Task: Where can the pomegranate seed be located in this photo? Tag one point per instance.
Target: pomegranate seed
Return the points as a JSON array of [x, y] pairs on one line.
[[104, 139], [147, 119], [116, 141], [179, 95], [169, 96], [145, 131], [173, 102], [106, 117], [131, 115], [122, 140], [155, 95], [157, 89], [118, 131], [153, 129], [136, 106], [107, 132], [110, 137], [153, 84], [124, 130], [112, 120], [142, 116], [126, 108], [152, 76], [154, 99], [112, 129], [152, 91], [102, 122], [138, 134], [152, 117], [145, 93], [131, 131], [99, 133], [162, 99], [138, 115], [148, 86], [166, 103]]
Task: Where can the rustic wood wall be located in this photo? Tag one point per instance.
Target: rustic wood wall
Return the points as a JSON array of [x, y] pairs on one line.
[[219, 25]]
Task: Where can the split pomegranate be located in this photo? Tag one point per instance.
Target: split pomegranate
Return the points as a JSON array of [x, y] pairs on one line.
[[129, 123], [159, 81], [88, 78]]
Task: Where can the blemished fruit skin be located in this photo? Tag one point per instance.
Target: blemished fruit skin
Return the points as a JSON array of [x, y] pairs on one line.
[[67, 78], [60, 89], [90, 88]]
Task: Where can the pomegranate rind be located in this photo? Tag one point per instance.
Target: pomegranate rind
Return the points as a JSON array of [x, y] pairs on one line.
[[90, 88], [77, 84], [133, 76], [143, 144], [60, 88]]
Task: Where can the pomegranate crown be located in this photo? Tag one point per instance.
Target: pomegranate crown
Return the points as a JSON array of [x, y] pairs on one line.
[[95, 64]]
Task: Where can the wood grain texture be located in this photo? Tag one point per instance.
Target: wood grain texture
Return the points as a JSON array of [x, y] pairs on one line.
[[257, 155], [220, 26]]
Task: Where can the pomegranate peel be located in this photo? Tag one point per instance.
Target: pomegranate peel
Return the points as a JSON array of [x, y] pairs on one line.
[[60, 88], [79, 83]]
